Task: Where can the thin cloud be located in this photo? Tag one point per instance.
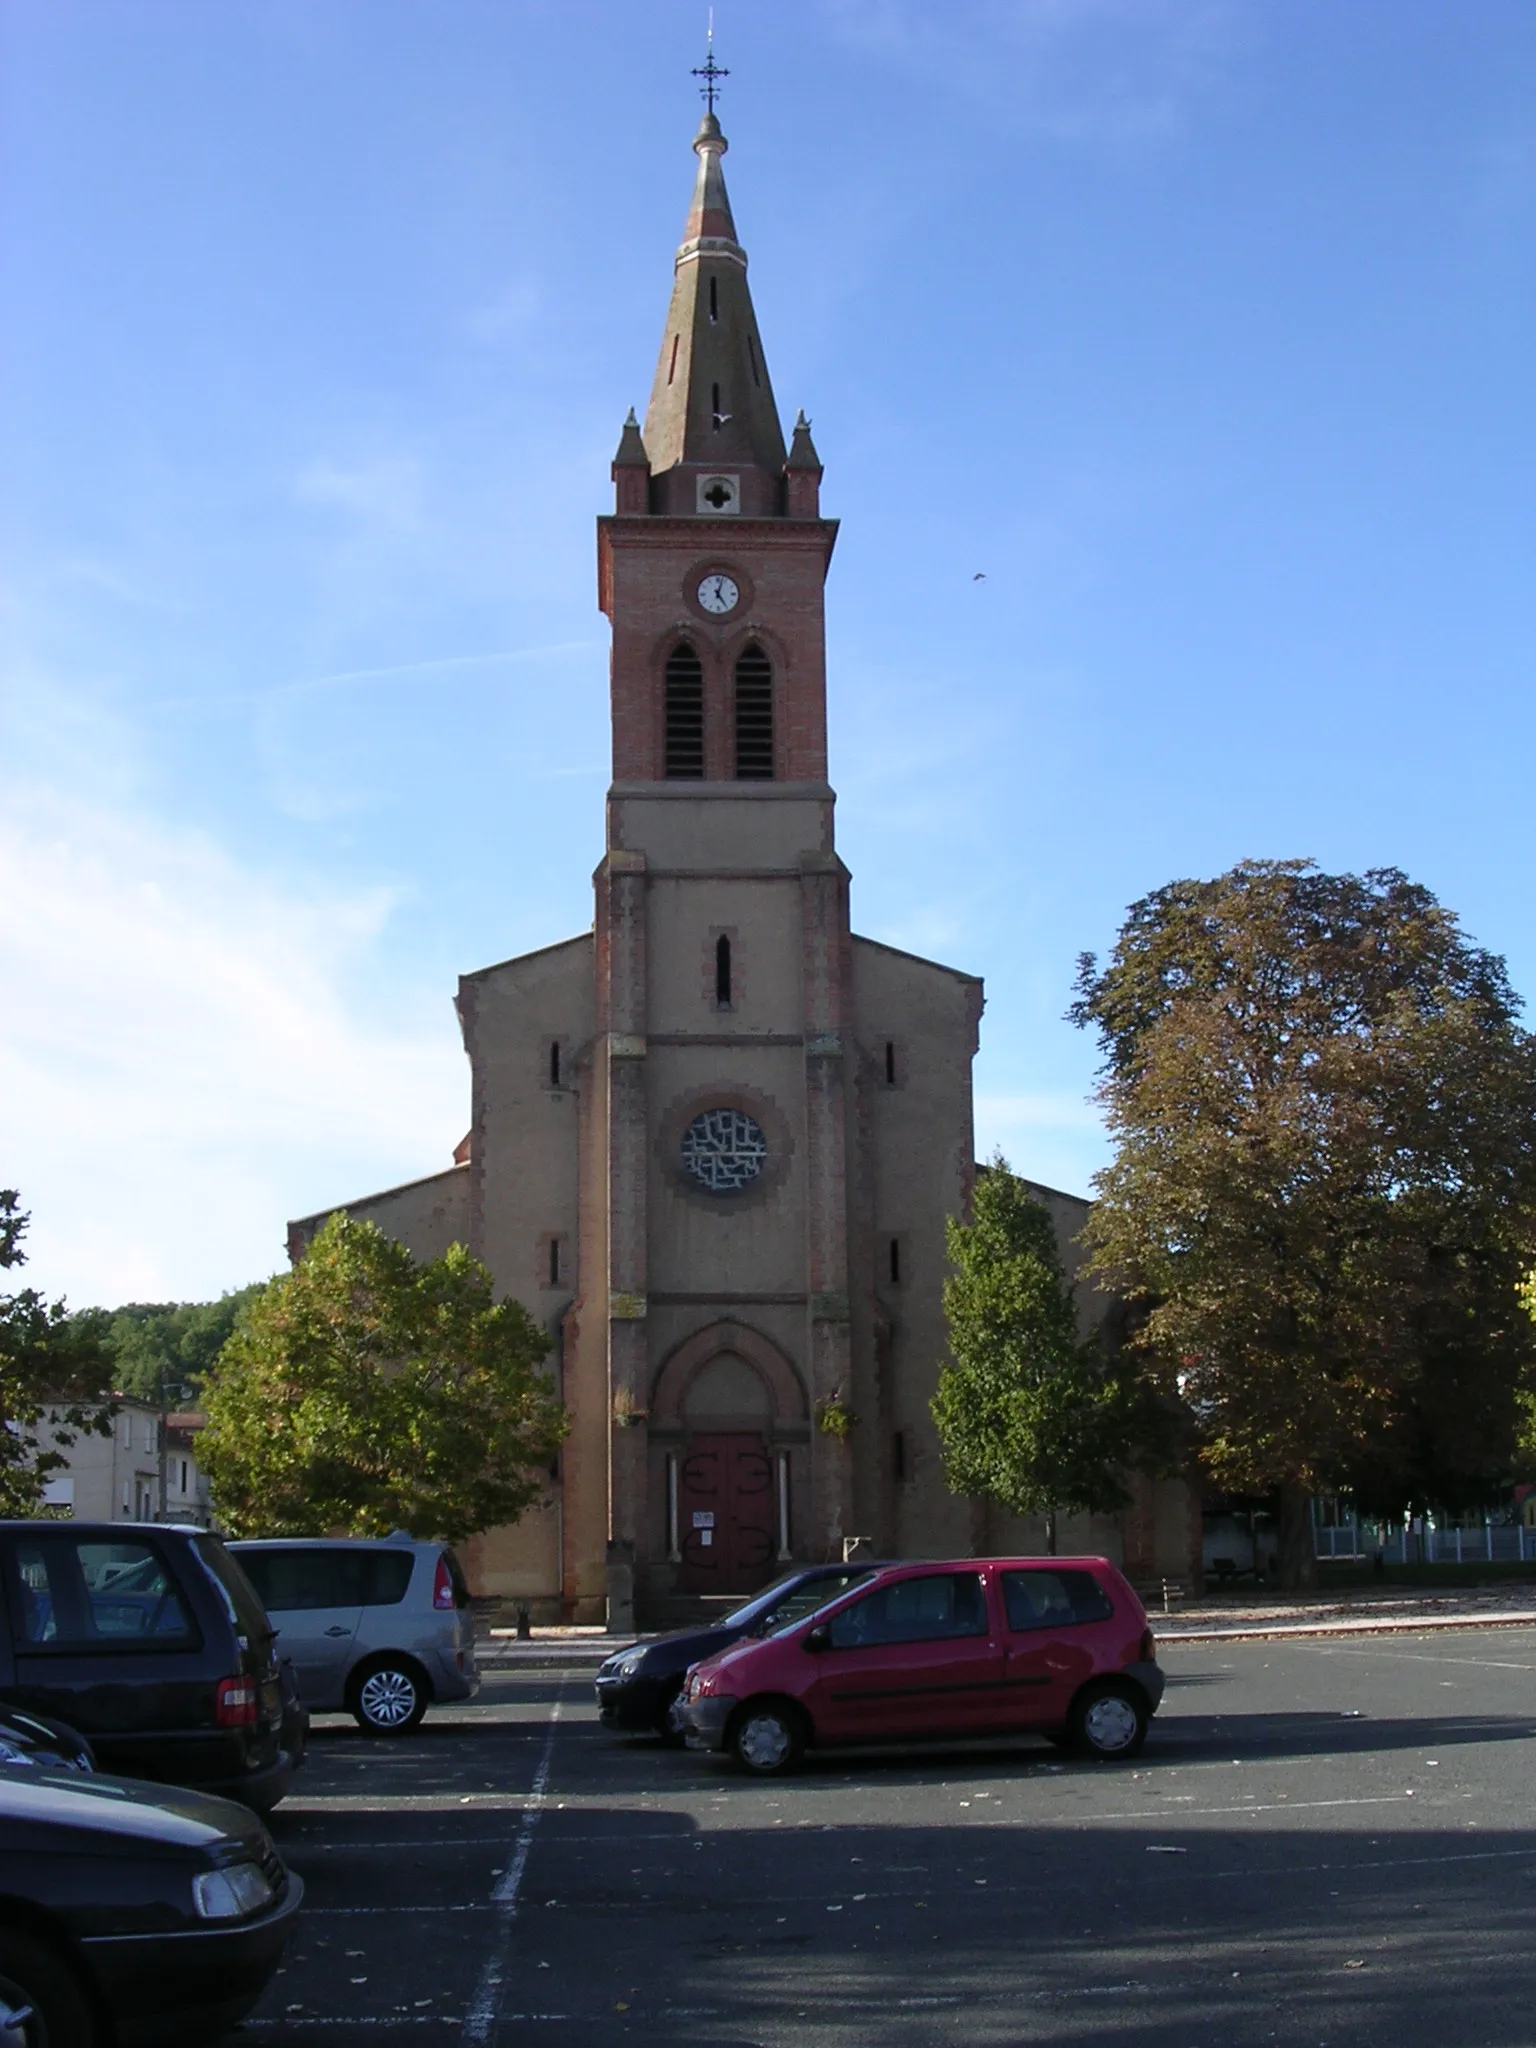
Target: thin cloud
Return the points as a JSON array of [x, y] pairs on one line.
[[183, 1062], [343, 678]]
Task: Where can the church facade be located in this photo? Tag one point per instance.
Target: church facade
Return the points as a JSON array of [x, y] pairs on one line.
[[714, 1141]]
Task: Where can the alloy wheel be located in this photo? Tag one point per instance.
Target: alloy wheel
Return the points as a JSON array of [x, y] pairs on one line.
[[387, 1698]]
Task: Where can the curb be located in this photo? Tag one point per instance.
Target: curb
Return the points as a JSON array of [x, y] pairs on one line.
[[1262, 1631]]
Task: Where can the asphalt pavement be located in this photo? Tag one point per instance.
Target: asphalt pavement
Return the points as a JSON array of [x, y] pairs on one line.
[[1326, 1842]]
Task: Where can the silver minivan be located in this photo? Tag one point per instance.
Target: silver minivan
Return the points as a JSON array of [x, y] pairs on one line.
[[379, 1630]]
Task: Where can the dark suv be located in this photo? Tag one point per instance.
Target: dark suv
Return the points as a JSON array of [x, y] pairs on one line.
[[151, 1641]]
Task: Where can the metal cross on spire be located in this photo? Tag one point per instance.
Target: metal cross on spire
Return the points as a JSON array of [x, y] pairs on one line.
[[709, 70]]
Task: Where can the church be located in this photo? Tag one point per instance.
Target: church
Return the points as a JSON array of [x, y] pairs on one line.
[[714, 1140]]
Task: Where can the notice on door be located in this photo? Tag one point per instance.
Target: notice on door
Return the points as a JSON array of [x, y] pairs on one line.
[[703, 1518]]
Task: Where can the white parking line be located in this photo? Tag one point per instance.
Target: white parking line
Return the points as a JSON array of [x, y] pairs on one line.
[[485, 2008], [1422, 1657], [1150, 1813]]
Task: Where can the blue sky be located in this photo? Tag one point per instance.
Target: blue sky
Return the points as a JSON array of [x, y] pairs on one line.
[[1203, 328]]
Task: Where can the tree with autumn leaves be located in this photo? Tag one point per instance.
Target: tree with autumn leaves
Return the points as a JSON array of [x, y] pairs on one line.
[[1322, 1204]]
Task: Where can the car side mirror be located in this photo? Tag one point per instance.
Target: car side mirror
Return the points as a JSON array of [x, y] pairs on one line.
[[818, 1638]]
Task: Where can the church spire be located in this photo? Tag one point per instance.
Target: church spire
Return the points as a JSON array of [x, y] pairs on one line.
[[712, 430]]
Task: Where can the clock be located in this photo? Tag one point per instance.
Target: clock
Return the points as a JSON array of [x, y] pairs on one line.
[[718, 594], [724, 1150]]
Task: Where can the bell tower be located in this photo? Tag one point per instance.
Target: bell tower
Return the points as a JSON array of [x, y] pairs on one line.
[[722, 962]]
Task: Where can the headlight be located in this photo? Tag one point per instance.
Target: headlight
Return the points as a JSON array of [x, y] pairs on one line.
[[628, 1666], [231, 1894]]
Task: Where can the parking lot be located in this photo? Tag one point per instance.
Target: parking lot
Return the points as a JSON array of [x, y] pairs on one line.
[[1325, 1842]]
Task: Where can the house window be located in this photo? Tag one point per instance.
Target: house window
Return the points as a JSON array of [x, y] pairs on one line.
[[672, 361], [722, 973], [714, 300], [754, 716], [890, 1063], [685, 714], [895, 1259], [554, 1063], [554, 1262], [183, 1475]]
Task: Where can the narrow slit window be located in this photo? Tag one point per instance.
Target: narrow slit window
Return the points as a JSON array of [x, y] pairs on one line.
[[899, 1454], [895, 1261], [685, 714], [890, 1063], [752, 359], [554, 1063], [754, 716], [722, 973], [554, 1262], [672, 365], [714, 299], [717, 417]]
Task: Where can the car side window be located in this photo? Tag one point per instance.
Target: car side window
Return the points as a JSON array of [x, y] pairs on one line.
[[926, 1609], [387, 1574], [77, 1594], [1046, 1599], [290, 1581], [293, 1580]]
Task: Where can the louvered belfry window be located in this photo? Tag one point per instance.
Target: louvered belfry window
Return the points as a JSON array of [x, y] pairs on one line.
[[685, 714], [754, 716]]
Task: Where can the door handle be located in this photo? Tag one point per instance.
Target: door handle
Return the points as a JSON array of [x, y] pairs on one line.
[[338, 1631]]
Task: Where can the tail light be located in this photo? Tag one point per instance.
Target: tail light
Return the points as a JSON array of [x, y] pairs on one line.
[[1148, 1647], [442, 1585], [235, 1703]]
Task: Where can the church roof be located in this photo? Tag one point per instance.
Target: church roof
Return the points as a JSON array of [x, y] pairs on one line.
[[712, 405]]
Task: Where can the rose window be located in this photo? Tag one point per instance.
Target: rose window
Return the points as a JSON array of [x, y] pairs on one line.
[[724, 1150]]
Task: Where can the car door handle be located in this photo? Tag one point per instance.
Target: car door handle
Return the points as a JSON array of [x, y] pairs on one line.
[[338, 1631]]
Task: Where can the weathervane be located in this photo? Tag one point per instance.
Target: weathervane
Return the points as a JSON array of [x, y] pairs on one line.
[[709, 70]]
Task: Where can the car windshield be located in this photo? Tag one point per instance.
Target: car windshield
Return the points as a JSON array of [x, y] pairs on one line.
[[790, 1601]]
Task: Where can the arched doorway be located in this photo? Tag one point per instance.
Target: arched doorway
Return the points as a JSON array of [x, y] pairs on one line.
[[726, 1505], [727, 1409]]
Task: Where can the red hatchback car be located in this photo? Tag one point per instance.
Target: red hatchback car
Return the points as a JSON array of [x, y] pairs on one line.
[[1054, 1646]]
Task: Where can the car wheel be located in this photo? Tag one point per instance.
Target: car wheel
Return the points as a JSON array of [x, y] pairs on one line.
[[672, 1736], [1109, 1721], [42, 2004], [768, 1739], [389, 1697]]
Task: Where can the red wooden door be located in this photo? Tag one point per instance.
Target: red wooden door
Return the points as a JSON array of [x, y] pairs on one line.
[[726, 1514]]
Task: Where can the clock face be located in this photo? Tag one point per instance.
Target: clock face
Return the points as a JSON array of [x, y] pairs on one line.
[[718, 594], [724, 1150]]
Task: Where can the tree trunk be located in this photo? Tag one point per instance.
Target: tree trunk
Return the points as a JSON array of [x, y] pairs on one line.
[[1050, 1531], [1298, 1551]]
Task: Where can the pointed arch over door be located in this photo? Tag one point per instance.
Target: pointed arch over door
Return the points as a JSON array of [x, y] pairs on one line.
[[786, 1392]]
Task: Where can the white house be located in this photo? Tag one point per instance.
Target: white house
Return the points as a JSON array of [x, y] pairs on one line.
[[131, 1475]]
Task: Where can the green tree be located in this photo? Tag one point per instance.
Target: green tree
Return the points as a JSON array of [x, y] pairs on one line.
[[163, 1350], [51, 1364], [1322, 1196], [366, 1392], [1027, 1413]]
